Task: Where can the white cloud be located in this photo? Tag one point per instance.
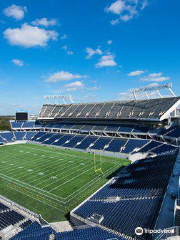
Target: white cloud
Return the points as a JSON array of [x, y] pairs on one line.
[[126, 9], [90, 52], [16, 12], [64, 36], [95, 88], [74, 86], [136, 73], [153, 75], [115, 22], [124, 96], [109, 42], [70, 52], [106, 61], [144, 4], [116, 7], [126, 17], [29, 36], [66, 49], [18, 62], [63, 76], [156, 79], [45, 22]]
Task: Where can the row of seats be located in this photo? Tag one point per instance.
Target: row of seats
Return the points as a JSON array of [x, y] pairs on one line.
[[110, 144], [36, 232], [120, 128], [135, 109], [25, 125], [78, 141], [133, 198], [8, 218], [7, 137]]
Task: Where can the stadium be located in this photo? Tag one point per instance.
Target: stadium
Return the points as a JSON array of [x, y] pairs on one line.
[[103, 170]]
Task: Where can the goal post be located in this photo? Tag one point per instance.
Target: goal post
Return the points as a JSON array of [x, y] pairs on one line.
[[97, 163]]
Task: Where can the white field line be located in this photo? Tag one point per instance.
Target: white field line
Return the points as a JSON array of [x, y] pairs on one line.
[[32, 188], [77, 189], [75, 162], [26, 165], [39, 200], [83, 186], [35, 163], [80, 169], [71, 179], [82, 189], [63, 153], [40, 169], [38, 188], [53, 173]]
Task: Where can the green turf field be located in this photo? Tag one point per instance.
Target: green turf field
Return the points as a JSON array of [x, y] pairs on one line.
[[51, 181]]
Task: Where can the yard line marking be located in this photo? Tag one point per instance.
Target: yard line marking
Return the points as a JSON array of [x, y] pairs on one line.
[[64, 167], [71, 179], [58, 175], [66, 176]]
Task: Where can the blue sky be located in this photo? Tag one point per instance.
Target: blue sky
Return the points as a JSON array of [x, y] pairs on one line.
[[94, 50]]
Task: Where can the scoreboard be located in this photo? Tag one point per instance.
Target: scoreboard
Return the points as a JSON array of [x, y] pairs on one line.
[[21, 116]]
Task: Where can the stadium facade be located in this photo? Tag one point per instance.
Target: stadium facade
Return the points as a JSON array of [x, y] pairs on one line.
[[145, 194]]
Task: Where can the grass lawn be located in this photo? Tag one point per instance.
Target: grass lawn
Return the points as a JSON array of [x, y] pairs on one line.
[[50, 181]]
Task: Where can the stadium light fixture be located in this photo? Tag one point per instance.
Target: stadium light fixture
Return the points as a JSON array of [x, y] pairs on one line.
[[57, 97], [152, 88]]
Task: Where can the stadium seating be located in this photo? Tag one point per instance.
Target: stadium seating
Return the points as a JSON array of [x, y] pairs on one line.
[[133, 198], [36, 232], [16, 125], [28, 124], [88, 233], [123, 145], [133, 109], [7, 136], [133, 144], [8, 218], [29, 135], [19, 135]]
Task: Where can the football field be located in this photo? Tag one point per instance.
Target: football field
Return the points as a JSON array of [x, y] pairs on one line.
[[51, 181]]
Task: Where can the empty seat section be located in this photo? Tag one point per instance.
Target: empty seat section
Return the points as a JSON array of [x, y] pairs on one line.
[[112, 128], [133, 144], [116, 145], [19, 135], [38, 136], [86, 142], [28, 124], [62, 140], [29, 135], [78, 109], [8, 136], [151, 145], [85, 110], [73, 141], [54, 138], [126, 128], [101, 143], [140, 129], [99, 127], [16, 125]]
